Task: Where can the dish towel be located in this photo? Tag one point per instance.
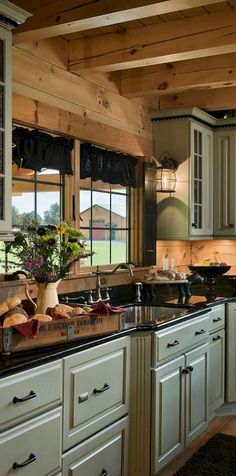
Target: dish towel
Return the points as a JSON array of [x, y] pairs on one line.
[[29, 329], [102, 308]]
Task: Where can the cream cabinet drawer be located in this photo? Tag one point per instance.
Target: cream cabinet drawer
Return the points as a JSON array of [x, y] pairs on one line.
[[32, 448], [176, 339], [30, 392], [96, 389], [217, 317], [103, 454]]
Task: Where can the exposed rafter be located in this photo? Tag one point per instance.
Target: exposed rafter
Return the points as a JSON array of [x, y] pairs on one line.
[[214, 99], [202, 36], [211, 72], [60, 18]]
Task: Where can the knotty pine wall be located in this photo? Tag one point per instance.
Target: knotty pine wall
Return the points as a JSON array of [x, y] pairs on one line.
[[191, 252]]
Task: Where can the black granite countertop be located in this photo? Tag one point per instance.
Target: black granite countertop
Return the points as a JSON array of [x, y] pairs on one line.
[[133, 320]]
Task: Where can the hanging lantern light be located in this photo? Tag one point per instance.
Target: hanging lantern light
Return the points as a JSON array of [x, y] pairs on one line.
[[165, 173]]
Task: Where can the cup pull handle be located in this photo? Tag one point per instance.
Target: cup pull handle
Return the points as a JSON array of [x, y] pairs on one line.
[[202, 331]]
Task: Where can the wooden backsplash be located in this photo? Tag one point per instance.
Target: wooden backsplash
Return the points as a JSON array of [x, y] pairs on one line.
[[186, 252]]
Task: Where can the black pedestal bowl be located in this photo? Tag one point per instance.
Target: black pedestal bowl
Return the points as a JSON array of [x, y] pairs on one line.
[[210, 273]]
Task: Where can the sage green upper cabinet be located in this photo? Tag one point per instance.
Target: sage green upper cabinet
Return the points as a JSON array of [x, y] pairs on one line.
[[224, 181], [188, 137], [10, 16]]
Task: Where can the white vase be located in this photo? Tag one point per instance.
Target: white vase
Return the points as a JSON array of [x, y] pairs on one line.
[[47, 296]]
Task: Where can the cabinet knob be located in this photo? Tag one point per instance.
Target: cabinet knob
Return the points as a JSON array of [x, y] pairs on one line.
[[32, 457], [101, 390], [231, 225], [185, 371], [31, 395], [194, 225], [104, 473], [202, 331], [190, 367], [216, 338], [173, 344]]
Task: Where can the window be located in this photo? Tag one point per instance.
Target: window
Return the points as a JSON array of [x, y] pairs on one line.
[[36, 195], [104, 213]]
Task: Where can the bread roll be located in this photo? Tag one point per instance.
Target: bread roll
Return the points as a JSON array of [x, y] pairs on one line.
[[16, 310], [42, 317], [63, 308], [87, 309], [77, 311], [14, 320], [13, 301], [3, 307]]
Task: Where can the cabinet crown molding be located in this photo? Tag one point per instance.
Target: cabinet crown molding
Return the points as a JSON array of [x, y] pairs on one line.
[[13, 13]]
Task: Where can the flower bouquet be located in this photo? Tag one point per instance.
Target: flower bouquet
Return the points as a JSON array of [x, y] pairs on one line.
[[47, 252]]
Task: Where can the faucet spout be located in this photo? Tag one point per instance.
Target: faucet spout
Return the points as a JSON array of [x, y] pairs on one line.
[[99, 273]]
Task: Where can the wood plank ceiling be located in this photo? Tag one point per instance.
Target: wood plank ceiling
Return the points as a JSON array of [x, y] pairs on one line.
[[169, 53]]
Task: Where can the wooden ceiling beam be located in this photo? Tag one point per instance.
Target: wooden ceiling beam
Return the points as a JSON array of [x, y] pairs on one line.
[[60, 17], [206, 35], [213, 99], [201, 73]]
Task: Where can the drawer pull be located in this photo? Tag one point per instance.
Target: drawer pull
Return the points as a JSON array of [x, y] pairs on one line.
[[104, 473], [103, 389], [216, 338], [31, 395], [202, 331], [30, 460], [173, 344], [217, 319]]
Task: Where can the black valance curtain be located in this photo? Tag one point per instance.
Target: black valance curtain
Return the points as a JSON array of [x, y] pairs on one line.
[[107, 165], [37, 150]]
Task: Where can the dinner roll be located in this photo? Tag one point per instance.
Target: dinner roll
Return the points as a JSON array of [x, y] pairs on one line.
[[42, 317], [13, 301], [76, 311], [14, 320], [3, 307]]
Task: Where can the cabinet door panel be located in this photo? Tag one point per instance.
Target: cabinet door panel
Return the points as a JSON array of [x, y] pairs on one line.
[[216, 370], [231, 352], [38, 440], [44, 383], [168, 412], [96, 390], [103, 454], [196, 392]]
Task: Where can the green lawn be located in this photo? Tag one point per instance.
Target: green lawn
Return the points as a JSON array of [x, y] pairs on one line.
[[102, 252]]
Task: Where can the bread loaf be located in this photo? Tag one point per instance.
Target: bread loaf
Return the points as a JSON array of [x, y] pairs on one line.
[[3, 307], [13, 301]]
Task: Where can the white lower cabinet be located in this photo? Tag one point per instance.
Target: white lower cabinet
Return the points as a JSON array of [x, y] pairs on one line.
[[104, 454], [231, 352], [180, 404], [169, 392], [33, 447], [216, 370], [95, 409]]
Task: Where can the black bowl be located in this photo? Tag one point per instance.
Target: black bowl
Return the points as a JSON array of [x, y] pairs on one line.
[[209, 270]]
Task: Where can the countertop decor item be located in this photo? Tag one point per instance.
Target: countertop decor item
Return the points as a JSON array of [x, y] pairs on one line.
[[210, 273], [46, 253]]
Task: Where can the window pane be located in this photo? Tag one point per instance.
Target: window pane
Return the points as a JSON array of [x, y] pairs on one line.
[[118, 188], [119, 246], [101, 247], [49, 175], [23, 201], [86, 261], [48, 204], [100, 209], [119, 211], [99, 185]]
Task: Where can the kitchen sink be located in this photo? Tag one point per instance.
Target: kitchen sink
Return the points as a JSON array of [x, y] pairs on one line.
[[142, 314]]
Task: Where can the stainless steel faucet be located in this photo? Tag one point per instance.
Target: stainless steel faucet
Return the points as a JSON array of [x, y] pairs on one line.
[[100, 273]]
